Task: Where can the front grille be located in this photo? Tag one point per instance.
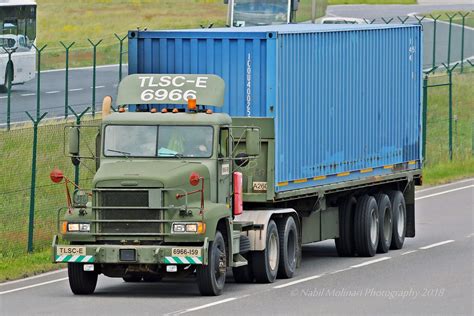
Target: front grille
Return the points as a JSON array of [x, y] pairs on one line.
[[138, 203]]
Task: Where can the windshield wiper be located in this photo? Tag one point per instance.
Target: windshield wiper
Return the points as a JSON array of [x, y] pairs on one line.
[[124, 153], [177, 155]]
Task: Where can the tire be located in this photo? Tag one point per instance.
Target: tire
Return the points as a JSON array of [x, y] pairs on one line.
[[265, 262], [385, 222], [80, 281], [132, 278], [244, 274], [288, 233], [399, 219], [366, 226], [345, 243], [211, 277], [151, 278]]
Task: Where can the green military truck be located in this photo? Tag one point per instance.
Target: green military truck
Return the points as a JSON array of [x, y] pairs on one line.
[[182, 188]]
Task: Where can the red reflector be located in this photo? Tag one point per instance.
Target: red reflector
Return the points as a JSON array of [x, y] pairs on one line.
[[56, 175], [238, 203], [194, 179]]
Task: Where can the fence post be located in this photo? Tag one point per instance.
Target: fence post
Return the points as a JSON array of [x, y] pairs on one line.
[[403, 20], [418, 19], [425, 110], [66, 89], [120, 39], [450, 97], [38, 80], [78, 122], [462, 39], [449, 35], [9, 74], [33, 178], [94, 65], [435, 21]]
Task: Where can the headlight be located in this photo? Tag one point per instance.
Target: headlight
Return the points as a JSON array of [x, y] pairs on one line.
[[192, 228], [80, 198], [79, 227]]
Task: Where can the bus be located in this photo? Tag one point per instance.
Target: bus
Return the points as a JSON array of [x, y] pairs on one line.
[[17, 35]]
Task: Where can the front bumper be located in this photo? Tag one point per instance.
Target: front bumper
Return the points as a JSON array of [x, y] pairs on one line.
[[110, 254]]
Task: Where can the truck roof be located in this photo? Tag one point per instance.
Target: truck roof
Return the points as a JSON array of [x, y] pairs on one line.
[[181, 118]]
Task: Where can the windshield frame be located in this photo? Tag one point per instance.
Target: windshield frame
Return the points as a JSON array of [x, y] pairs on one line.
[[233, 11], [156, 156]]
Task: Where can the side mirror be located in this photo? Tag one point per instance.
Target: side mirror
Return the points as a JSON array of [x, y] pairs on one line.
[[74, 141], [252, 141]]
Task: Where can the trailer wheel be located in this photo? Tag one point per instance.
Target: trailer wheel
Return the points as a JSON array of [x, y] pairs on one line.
[[211, 277], [288, 233], [385, 222], [399, 212], [265, 262], [80, 281], [244, 274], [345, 243], [132, 278], [366, 226]]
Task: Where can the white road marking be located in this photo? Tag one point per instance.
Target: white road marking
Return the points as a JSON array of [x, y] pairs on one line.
[[297, 281], [32, 286], [84, 68], [193, 309], [444, 185], [28, 94], [363, 264], [470, 235], [4, 97], [53, 92], [444, 192], [98, 87], [408, 252], [32, 277], [77, 89], [437, 244], [342, 270]]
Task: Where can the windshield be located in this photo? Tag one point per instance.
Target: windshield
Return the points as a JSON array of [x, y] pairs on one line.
[[260, 12], [166, 141]]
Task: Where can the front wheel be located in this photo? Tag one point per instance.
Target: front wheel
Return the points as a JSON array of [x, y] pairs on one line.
[[211, 277], [80, 281]]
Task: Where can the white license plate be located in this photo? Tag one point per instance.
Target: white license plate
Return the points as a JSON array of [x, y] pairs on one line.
[[71, 250], [259, 186], [186, 252]]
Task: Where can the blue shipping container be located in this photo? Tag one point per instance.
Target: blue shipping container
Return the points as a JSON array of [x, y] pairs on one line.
[[346, 99]]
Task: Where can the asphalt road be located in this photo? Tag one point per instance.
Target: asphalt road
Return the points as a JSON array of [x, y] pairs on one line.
[[432, 274], [52, 96], [387, 12]]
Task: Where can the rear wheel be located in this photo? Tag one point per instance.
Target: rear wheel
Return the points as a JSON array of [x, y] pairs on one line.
[[288, 233], [399, 212], [265, 262], [211, 277], [366, 226], [345, 243], [132, 278], [80, 281], [385, 222]]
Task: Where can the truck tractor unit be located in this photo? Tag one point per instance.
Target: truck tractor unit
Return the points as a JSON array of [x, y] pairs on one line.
[[232, 148]]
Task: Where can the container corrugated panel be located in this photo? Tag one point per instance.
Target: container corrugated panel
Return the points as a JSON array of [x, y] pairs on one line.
[[346, 98]]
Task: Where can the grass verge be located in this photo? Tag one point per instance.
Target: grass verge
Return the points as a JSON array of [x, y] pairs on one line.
[[24, 265], [334, 2]]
